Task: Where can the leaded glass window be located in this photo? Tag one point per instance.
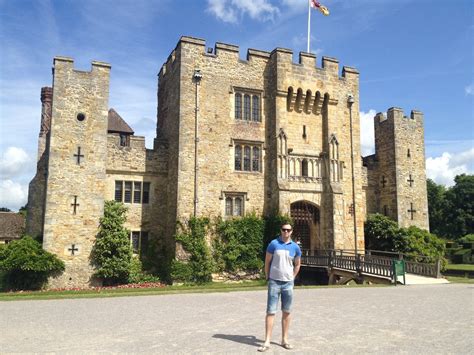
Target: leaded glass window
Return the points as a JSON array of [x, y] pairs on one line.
[[146, 192], [136, 242], [247, 158], [238, 106], [251, 159], [132, 191], [118, 191], [137, 192], [238, 157], [238, 206], [128, 192], [247, 107], [255, 108], [234, 204], [228, 206], [256, 159]]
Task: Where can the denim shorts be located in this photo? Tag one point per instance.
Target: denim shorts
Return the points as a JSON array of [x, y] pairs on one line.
[[275, 289]]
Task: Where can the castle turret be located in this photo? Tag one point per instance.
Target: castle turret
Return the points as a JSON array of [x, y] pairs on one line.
[[75, 187], [400, 172]]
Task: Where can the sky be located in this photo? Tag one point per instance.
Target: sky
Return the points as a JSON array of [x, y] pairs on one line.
[[412, 54]]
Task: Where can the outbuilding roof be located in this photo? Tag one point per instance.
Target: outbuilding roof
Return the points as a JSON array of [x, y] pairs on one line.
[[12, 225], [117, 124]]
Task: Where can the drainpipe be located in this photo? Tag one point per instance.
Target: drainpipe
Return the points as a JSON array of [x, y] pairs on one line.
[[197, 76], [350, 102]]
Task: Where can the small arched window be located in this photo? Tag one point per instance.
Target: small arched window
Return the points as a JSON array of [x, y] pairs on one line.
[[247, 107], [238, 157], [289, 98], [256, 108], [238, 106], [304, 167], [299, 96], [247, 158]]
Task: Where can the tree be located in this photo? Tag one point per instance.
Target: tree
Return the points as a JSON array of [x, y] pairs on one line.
[[23, 210], [5, 209], [380, 232], [436, 207], [26, 265], [459, 210], [112, 253]]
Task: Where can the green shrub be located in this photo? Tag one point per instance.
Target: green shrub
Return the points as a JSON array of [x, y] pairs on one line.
[[26, 266], [192, 237], [181, 271], [137, 275], [112, 253], [238, 244], [414, 241]]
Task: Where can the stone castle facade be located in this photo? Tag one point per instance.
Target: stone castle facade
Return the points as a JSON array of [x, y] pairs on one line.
[[234, 136]]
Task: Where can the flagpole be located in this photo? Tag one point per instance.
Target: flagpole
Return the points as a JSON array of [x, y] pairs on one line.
[[309, 23]]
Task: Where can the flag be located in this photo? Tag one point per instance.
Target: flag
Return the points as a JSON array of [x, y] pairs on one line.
[[315, 4]]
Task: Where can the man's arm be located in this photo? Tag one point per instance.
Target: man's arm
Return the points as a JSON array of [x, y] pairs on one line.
[[297, 265], [268, 261]]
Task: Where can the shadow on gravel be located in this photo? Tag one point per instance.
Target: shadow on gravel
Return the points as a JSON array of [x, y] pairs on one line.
[[244, 339]]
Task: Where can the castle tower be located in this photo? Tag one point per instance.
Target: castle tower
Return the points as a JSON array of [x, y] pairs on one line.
[[75, 187], [401, 177]]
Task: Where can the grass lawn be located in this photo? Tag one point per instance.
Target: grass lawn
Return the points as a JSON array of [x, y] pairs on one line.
[[459, 280], [464, 267], [121, 292], [126, 292]]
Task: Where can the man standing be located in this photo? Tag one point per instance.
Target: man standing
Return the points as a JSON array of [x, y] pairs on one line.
[[282, 264]]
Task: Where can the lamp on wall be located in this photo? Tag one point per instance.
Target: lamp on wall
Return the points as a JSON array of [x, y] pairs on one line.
[[197, 76]]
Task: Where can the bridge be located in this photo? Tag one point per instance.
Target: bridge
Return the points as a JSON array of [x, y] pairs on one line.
[[345, 266]]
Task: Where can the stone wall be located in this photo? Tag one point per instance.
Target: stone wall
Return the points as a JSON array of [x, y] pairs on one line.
[[135, 163]]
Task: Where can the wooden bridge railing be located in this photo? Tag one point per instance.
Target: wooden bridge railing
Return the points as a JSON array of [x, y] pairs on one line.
[[368, 263]]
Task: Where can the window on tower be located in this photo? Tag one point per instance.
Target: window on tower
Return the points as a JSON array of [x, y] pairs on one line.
[[247, 106], [248, 157]]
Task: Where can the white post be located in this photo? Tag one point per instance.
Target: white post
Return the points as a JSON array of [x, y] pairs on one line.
[[309, 23]]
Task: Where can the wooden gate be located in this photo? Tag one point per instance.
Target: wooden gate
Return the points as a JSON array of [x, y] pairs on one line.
[[305, 220]]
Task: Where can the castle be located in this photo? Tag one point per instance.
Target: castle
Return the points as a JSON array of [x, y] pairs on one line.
[[233, 136]]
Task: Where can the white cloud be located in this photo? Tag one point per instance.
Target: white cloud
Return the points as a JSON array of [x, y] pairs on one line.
[[443, 169], [230, 10], [469, 90], [13, 162], [13, 195], [367, 140]]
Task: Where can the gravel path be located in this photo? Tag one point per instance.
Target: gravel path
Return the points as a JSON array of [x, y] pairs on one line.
[[422, 319]]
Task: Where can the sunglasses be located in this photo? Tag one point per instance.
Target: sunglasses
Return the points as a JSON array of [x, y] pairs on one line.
[[286, 230]]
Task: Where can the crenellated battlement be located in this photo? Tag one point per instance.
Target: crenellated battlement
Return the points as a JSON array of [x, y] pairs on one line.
[[68, 64], [283, 56], [396, 114]]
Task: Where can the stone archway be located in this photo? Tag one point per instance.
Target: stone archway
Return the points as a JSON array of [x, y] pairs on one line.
[[306, 225]]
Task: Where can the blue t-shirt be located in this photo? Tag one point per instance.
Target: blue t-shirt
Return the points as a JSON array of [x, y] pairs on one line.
[[281, 266]]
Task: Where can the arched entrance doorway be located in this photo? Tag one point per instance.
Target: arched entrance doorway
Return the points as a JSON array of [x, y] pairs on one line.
[[306, 224]]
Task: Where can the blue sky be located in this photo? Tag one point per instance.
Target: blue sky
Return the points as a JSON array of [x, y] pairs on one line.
[[413, 54]]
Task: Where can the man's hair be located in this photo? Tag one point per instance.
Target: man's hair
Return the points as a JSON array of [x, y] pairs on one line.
[[286, 224]]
